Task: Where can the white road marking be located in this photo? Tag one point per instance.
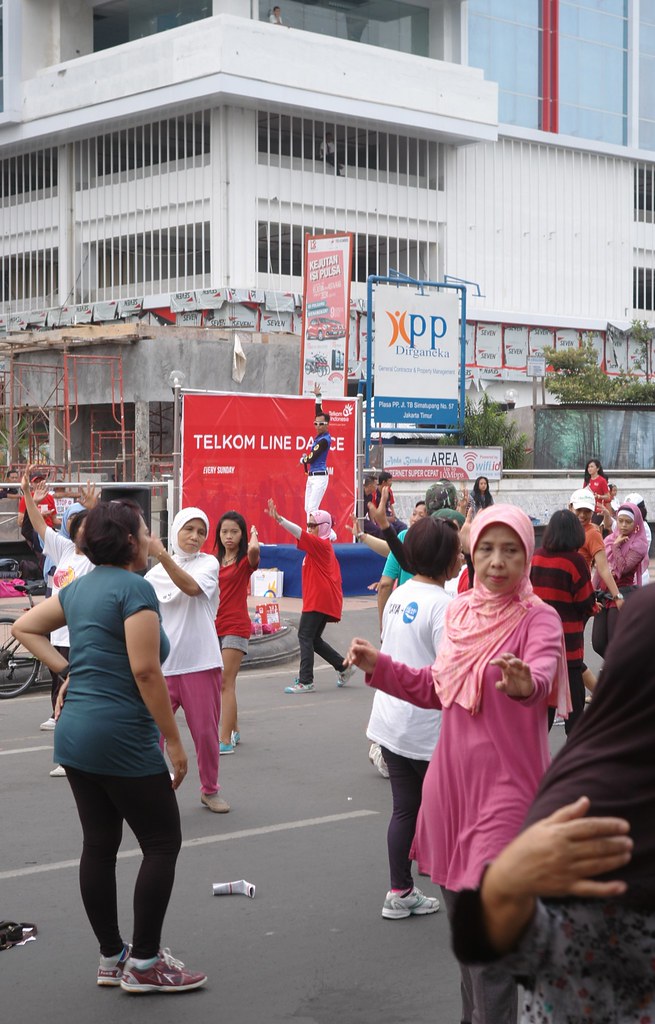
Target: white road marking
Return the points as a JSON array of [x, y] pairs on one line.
[[246, 833], [24, 750]]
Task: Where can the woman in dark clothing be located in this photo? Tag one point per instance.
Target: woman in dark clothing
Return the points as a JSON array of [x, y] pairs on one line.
[[480, 495], [560, 577]]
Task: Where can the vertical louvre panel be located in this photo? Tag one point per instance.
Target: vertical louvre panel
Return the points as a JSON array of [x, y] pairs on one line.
[[142, 209], [28, 252], [379, 186]]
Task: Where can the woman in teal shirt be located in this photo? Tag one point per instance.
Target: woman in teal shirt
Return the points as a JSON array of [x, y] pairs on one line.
[[109, 716]]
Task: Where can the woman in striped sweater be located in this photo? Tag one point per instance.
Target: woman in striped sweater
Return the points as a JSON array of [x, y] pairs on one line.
[[560, 577]]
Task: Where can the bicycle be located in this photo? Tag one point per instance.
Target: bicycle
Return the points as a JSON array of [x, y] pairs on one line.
[[18, 668]]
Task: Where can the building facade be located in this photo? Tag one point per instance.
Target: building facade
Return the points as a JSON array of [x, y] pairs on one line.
[[156, 147]]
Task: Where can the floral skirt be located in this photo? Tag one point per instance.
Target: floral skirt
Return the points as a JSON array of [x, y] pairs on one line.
[[584, 961]]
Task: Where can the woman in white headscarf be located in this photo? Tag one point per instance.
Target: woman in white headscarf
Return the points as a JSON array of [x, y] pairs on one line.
[[186, 584]]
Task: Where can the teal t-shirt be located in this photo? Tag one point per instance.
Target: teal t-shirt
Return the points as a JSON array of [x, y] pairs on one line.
[[392, 565], [104, 725]]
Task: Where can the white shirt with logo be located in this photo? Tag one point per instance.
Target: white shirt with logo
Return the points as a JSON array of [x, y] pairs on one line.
[[70, 566], [411, 629]]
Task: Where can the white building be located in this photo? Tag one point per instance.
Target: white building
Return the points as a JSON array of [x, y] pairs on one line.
[[149, 147]]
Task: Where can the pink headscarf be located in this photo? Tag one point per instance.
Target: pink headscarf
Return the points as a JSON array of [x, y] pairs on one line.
[[324, 520], [478, 622], [626, 558]]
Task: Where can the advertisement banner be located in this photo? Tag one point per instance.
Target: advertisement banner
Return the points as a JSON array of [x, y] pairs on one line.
[[443, 463], [567, 340], [417, 357], [240, 450], [488, 345], [326, 314], [516, 347]]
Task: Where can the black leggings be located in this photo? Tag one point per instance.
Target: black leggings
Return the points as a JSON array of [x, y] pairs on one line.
[[149, 806], [406, 777], [310, 640], [578, 695]]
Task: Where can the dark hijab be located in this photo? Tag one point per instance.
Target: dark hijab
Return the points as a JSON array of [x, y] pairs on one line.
[[610, 756]]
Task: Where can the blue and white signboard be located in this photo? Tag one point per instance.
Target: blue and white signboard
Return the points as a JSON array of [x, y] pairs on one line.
[[417, 357]]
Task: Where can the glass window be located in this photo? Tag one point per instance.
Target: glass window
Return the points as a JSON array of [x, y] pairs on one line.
[[388, 23], [647, 75], [505, 40], [2, 60], [593, 70], [119, 21]]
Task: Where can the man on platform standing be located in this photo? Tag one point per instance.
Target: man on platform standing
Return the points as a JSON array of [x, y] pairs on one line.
[[315, 461]]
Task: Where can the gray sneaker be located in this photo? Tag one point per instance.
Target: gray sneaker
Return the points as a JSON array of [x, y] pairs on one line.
[[343, 677], [396, 906]]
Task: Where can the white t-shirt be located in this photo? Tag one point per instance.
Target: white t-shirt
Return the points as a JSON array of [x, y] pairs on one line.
[[189, 621], [411, 629], [70, 566]]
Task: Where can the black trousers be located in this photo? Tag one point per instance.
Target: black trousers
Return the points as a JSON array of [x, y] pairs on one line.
[[576, 686], [406, 777], [310, 640], [149, 806]]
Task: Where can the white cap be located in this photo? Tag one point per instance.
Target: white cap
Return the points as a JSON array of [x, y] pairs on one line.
[[634, 498], [584, 498]]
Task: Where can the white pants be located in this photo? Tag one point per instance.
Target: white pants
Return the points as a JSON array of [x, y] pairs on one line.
[[315, 488]]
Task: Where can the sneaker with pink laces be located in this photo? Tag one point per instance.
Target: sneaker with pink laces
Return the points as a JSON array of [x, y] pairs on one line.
[[166, 975]]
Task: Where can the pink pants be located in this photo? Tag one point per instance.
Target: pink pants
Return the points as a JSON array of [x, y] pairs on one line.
[[199, 695]]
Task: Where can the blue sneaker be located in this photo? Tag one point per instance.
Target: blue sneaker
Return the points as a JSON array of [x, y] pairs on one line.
[[299, 688], [226, 748], [235, 738]]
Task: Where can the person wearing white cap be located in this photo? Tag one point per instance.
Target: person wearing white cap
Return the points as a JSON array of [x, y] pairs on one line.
[[583, 503]]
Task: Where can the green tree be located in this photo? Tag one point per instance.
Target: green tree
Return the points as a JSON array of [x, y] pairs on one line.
[[487, 426], [577, 377]]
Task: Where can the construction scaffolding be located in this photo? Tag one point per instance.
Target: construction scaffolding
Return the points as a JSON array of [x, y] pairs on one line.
[[43, 420]]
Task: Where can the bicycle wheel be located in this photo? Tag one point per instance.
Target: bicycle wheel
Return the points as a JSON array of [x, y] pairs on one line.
[[18, 668]]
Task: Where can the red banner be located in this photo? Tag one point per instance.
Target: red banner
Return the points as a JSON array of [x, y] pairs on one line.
[[240, 450]]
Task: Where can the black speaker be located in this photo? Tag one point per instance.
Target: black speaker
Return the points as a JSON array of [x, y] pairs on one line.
[[126, 492]]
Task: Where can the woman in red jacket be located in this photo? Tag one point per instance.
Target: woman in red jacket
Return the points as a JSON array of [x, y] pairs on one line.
[[322, 596]]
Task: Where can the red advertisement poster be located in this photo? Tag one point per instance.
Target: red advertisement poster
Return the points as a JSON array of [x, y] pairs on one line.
[[240, 450], [326, 314]]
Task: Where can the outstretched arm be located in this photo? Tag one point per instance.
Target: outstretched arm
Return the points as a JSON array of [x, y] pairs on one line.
[[286, 524], [556, 857]]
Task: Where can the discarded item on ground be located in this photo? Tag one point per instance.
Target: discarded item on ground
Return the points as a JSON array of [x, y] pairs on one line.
[[234, 888]]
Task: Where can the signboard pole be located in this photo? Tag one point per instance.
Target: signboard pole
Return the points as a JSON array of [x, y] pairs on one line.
[[418, 329]]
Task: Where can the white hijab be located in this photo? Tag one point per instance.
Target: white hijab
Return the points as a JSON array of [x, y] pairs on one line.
[[198, 565]]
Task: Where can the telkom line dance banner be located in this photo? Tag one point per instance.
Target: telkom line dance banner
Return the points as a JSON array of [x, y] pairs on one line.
[[240, 450], [326, 314], [417, 357]]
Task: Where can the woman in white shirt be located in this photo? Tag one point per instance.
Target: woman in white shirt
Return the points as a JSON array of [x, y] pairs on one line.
[[186, 584], [411, 630]]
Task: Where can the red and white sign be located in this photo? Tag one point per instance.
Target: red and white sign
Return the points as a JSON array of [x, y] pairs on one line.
[[326, 314], [443, 463], [240, 450]]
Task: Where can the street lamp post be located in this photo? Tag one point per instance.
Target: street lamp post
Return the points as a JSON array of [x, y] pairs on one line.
[[176, 379]]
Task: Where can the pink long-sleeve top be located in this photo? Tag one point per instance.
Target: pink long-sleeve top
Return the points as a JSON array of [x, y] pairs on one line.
[[486, 767]]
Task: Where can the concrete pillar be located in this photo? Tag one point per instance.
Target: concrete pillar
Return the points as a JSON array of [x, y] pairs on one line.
[[56, 441], [141, 439], [66, 235]]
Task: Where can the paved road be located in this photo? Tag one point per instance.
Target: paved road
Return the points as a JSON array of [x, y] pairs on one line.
[[307, 827]]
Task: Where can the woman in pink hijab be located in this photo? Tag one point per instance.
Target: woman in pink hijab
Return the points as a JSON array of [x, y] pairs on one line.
[[626, 549], [500, 663]]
